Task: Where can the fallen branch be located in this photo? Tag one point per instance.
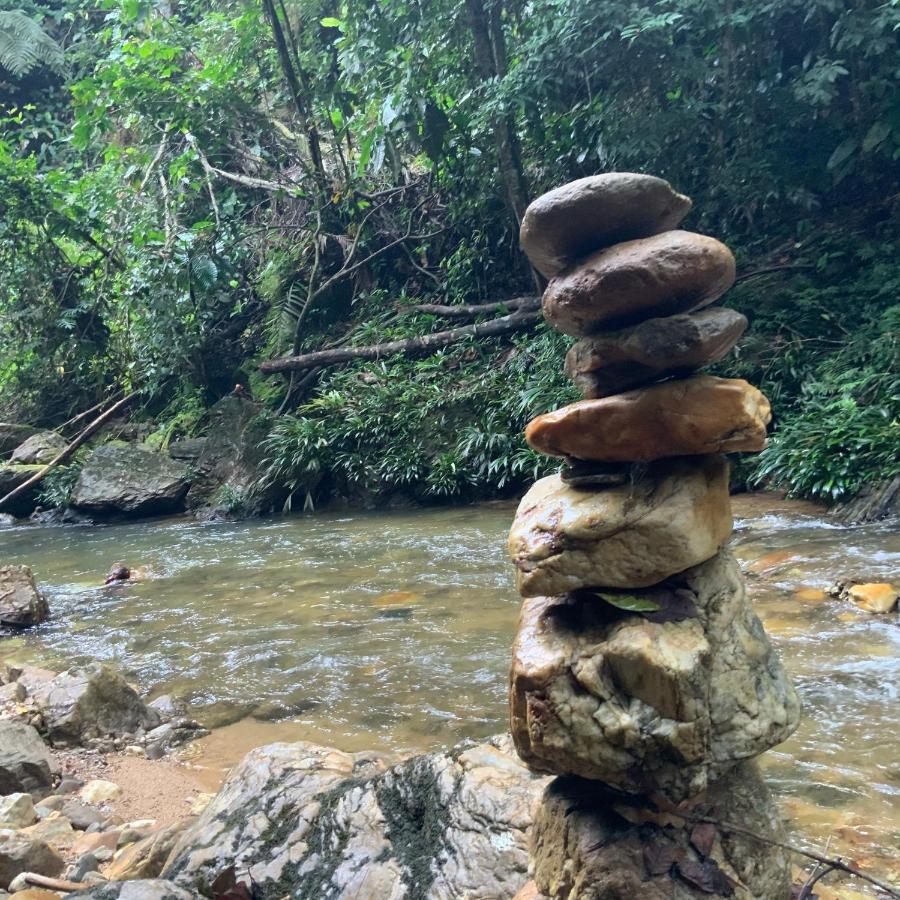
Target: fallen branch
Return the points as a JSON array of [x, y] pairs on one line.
[[832, 863], [54, 884], [87, 412], [423, 344], [63, 455], [468, 311], [768, 270]]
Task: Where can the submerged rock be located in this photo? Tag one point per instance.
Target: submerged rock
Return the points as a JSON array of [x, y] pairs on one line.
[[673, 515], [663, 702], [673, 272], [89, 703], [306, 821], [586, 846], [131, 480], [616, 361], [582, 216], [874, 598], [21, 603], [25, 762], [689, 417], [39, 448]]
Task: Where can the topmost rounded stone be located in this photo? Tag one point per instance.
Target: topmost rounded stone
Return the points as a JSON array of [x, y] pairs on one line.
[[582, 216]]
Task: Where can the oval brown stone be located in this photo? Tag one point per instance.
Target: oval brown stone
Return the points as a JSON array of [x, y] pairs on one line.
[[616, 361], [688, 417], [673, 272], [582, 216]]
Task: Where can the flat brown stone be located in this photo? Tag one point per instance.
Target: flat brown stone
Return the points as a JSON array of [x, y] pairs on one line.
[[673, 515], [692, 416], [673, 272], [582, 216], [663, 702], [615, 361]]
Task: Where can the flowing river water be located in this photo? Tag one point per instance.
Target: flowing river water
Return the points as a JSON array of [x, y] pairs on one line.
[[392, 631]]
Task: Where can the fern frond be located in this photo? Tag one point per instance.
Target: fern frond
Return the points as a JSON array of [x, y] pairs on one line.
[[25, 45]]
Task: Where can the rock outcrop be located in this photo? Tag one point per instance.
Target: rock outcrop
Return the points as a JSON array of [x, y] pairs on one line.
[[616, 361], [21, 603], [146, 889], [673, 272], [26, 765], [688, 417], [640, 672], [20, 853], [567, 538], [661, 702], [131, 480], [582, 216], [11, 435], [87, 703], [304, 821], [12, 477]]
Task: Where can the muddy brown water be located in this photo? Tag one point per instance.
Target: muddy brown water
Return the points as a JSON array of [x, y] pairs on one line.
[[392, 631]]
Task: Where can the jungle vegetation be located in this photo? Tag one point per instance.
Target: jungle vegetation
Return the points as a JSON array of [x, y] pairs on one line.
[[189, 189]]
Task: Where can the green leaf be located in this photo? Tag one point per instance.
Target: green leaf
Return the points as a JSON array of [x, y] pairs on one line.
[[330, 22], [842, 153], [629, 602]]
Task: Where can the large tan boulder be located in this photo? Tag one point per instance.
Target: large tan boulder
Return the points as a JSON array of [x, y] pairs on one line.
[[585, 847], [584, 215], [21, 603], [688, 417], [673, 515], [661, 702], [673, 272], [616, 361]]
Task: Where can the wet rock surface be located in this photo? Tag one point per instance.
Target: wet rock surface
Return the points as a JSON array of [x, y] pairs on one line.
[[617, 361], [588, 846], [582, 216], [689, 417], [655, 703], [564, 538], [21, 603], [305, 821], [130, 480], [673, 272]]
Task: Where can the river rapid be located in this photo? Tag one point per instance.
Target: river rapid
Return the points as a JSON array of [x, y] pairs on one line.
[[392, 631]]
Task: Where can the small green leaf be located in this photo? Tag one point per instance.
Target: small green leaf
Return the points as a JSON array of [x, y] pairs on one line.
[[330, 22], [629, 602]]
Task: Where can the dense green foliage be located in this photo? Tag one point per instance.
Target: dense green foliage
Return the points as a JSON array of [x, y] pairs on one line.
[[191, 188]]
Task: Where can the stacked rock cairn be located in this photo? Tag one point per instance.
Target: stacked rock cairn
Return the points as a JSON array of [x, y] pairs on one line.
[[641, 675]]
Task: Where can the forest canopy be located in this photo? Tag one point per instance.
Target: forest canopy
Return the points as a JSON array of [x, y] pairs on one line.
[[189, 190]]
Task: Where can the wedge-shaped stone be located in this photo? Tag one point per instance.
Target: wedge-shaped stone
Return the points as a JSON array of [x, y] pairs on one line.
[[584, 215], [674, 515], [673, 272], [662, 702], [616, 361], [676, 418], [586, 847]]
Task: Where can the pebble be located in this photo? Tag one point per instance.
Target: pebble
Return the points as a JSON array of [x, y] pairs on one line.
[[135, 750], [99, 791], [69, 786]]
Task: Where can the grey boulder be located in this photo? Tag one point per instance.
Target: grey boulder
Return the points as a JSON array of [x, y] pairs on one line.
[[131, 480], [11, 435], [25, 762], [145, 889], [12, 477], [89, 703], [305, 821], [39, 448], [21, 603]]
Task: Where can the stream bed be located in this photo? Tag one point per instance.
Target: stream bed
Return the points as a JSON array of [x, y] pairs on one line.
[[392, 631]]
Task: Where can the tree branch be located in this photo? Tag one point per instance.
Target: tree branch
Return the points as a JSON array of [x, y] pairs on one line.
[[468, 311], [415, 345]]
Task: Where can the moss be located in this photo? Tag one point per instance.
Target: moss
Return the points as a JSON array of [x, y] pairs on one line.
[[416, 820]]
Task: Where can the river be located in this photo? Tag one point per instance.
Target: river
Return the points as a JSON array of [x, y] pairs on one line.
[[392, 631]]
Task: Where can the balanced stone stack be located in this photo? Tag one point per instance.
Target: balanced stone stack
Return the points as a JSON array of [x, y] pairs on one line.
[[641, 674]]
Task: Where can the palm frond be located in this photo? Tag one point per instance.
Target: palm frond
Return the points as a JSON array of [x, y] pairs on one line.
[[24, 45]]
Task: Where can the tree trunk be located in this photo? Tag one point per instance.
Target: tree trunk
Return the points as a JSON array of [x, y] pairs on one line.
[[424, 344]]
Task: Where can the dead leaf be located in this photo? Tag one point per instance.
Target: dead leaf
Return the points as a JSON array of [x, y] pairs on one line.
[[706, 876], [659, 860], [703, 836]]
